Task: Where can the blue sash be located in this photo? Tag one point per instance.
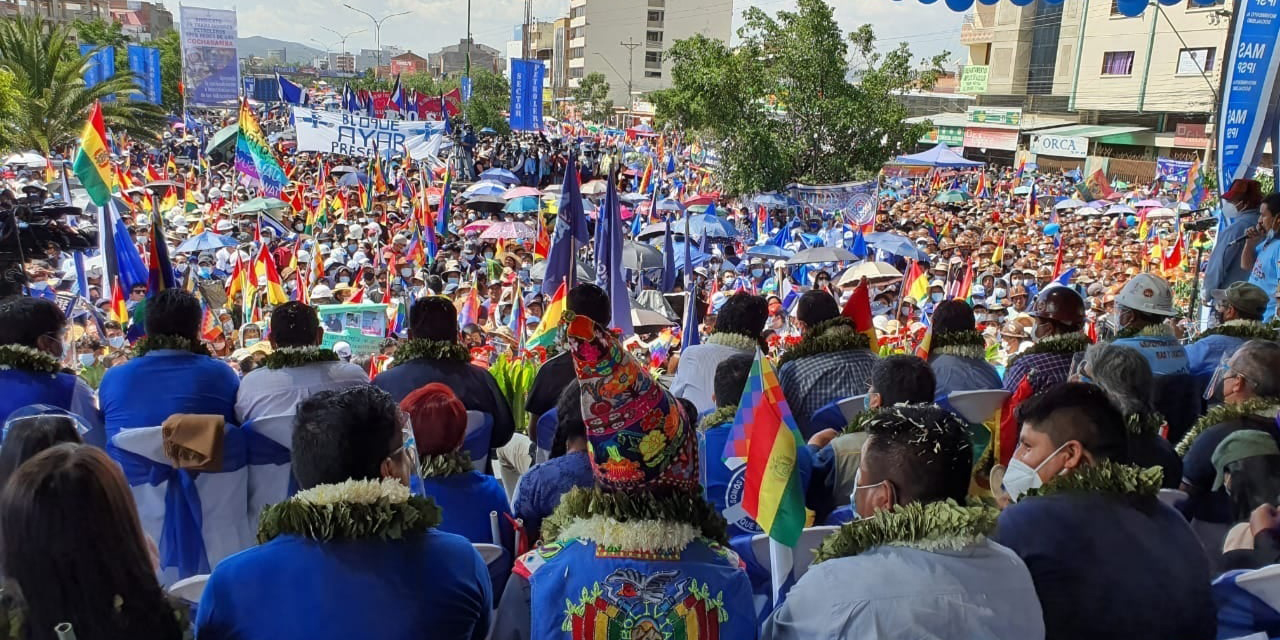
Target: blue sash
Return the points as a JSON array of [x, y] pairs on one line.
[[261, 450]]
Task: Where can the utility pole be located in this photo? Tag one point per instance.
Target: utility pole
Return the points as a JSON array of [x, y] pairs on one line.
[[468, 38], [525, 44], [631, 45]]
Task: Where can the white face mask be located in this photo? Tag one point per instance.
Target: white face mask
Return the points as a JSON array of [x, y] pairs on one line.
[[1020, 478], [1229, 209], [116, 341], [853, 494]]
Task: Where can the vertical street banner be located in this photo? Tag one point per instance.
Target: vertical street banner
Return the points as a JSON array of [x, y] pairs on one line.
[[526, 95], [466, 89], [1248, 88], [145, 63], [210, 66], [102, 65]]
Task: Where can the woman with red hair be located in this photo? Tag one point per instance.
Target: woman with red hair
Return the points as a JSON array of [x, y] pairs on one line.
[[466, 497]]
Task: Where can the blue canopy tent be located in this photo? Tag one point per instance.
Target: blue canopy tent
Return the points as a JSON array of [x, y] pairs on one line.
[[1129, 8], [939, 156]]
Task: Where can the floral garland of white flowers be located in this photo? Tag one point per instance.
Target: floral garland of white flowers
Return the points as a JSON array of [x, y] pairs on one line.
[[648, 536], [355, 492], [24, 358], [733, 341]]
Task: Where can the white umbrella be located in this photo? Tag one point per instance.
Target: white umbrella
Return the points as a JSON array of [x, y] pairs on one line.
[[1162, 212], [29, 158], [1088, 212], [875, 272], [1070, 203]]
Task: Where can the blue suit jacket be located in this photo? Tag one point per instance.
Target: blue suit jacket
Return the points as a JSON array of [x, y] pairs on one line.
[[430, 586], [143, 392]]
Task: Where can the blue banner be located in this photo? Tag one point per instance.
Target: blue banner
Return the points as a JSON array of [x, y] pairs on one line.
[[466, 89], [102, 65], [1170, 170], [1249, 86], [145, 63], [210, 66], [156, 81], [526, 95]]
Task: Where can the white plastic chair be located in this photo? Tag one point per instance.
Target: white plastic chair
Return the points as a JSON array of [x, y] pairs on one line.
[[479, 428], [190, 589], [801, 556], [268, 482], [224, 495], [976, 407], [490, 553]]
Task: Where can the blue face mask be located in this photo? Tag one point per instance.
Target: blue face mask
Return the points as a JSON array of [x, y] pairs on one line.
[[756, 273], [205, 272]]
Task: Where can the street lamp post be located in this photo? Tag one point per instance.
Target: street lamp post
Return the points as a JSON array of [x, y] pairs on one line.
[[343, 37], [377, 30]]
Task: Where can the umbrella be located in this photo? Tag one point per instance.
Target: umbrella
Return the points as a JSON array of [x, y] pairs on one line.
[[478, 226], [508, 229], [485, 188], [954, 196], [523, 204], [821, 254], [699, 225], [1088, 212], [640, 256], [1162, 212], [539, 271], [353, 179], [1119, 209], [342, 168], [632, 198], [704, 199], [486, 203], [1022, 191], [669, 204], [1070, 203], [1147, 203], [769, 251], [225, 136], [259, 205], [29, 159], [594, 188], [205, 241], [641, 317], [896, 244], [1100, 204], [521, 192], [554, 188], [498, 174], [696, 255], [875, 273], [776, 201], [488, 131]]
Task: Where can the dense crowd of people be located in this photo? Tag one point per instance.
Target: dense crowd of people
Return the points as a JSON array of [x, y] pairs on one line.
[[359, 335]]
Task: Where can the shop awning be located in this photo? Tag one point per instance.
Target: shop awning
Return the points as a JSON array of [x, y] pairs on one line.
[[1111, 134], [1030, 121]]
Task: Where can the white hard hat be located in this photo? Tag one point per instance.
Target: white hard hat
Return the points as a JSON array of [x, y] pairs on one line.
[[779, 264], [1148, 294], [321, 291], [304, 255]]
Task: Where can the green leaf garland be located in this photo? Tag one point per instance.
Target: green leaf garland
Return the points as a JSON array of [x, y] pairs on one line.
[[384, 520], [1104, 477], [445, 464], [161, 342], [1243, 329], [685, 508], [933, 526], [718, 417], [834, 335], [289, 357], [1066, 343], [1227, 413], [416, 348]]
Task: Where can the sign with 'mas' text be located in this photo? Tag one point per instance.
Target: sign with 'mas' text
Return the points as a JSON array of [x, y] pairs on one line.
[[352, 134]]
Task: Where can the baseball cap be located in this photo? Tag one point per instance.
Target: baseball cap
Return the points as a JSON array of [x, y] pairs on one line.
[[1239, 445], [1244, 297]]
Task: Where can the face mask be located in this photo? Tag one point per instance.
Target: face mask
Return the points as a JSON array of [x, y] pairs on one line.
[[205, 272], [218, 346], [86, 359], [1229, 209], [936, 297], [406, 271], [344, 279], [351, 248], [756, 273], [249, 342], [38, 285], [488, 255], [453, 281], [181, 267], [1020, 478], [853, 495], [866, 401]]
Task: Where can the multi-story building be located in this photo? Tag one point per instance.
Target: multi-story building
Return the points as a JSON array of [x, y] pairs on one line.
[[342, 62], [408, 62], [1135, 88], [626, 39], [57, 11], [142, 21], [452, 60]]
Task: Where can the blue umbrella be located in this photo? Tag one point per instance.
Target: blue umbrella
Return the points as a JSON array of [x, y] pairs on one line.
[[525, 204], [486, 188], [498, 174], [633, 198], [776, 201], [696, 255], [769, 251], [353, 179], [206, 241], [896, 244], [487, 130], [669, 204], [699, 225]]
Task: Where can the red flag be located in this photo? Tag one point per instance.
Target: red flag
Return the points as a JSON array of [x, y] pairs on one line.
[[1007, 436], [966, 283], [1057, 261], [1174, 259], [858, 309]]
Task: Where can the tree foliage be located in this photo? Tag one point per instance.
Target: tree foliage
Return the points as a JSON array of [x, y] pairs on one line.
[[592, 97], [47, 69], [792, 102]]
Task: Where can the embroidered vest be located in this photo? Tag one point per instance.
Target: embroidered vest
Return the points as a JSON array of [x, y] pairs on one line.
[[22, 388], [579, 591]]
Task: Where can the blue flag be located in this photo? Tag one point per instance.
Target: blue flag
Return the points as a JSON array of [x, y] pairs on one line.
[[689, 324], [121, 256], [668, 259], [1065, 278], [291, 93], [609, 259], [570, 232], [859, 246], [160, 269]]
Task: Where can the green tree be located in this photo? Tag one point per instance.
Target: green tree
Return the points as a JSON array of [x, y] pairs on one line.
[[787, 105], [592, 97], [170, 45], [53, 101], [490, 97], [100, 32]]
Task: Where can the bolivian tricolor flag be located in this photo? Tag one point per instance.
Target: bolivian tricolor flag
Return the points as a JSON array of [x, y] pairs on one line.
[[545, 334], [118, 311], [93, 162], [264, 270], [765, 438]]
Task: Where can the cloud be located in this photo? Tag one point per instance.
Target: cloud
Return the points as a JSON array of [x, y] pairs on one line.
[[433, 24]]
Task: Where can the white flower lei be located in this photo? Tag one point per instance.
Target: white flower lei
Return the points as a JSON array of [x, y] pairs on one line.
[[733, 340], [640, 535], [355, 492]]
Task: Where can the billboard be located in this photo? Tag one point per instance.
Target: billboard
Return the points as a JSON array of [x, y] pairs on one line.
[[973, 79], [354, 134], [1011, 116], [210, 65]]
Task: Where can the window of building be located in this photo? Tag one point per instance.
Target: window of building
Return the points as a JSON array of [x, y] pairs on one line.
[[653, 74], [653, 57], [1117, 63], [577, 32], [1115, 9], [1195, 61], [578, 11], [576, 52], [655, 16], [653, 37], [575, 72]]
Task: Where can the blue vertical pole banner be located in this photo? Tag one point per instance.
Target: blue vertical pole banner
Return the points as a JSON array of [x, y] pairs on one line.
[[92, 74], [156, 86], [535, 94], [466, 89], [519, 116], [138, 65], [1248, 88]]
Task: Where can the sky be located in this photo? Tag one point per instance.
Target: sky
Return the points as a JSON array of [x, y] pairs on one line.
[[436, 23]]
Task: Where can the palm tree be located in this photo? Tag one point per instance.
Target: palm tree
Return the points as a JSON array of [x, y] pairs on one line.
[[52, 100]]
